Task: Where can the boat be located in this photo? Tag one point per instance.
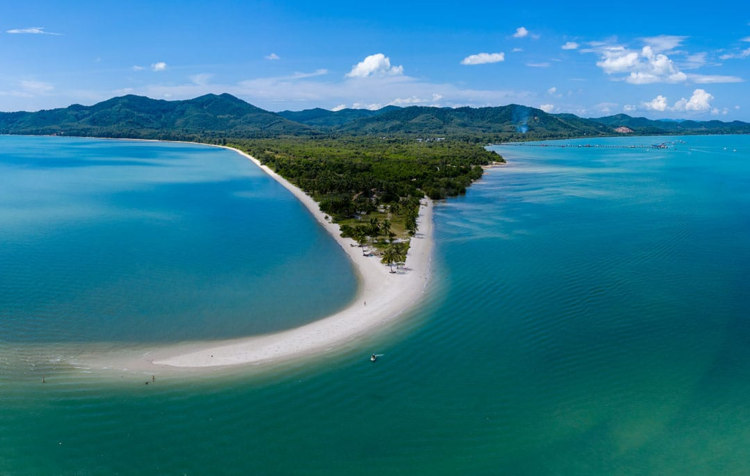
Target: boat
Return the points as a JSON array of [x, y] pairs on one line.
[[373, 358]]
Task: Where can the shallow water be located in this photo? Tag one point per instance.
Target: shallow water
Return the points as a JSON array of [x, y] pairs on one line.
[[589, 315], [127, 242]]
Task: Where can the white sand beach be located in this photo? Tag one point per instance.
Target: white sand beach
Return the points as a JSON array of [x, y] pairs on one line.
[[382, 298]]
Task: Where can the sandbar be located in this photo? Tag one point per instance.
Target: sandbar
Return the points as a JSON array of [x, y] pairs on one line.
[[382, 297]]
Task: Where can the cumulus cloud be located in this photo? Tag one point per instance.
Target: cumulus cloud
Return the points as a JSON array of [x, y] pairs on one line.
[[644, 67], [160, 66], [517, 50], [629, 108], [483, 58], [272, 56], [521, 33], [700, 101], [375, 65], [552, 90], [138, 68], [548, 108], [571, 45], [657, 104], [34, 30], [340, 107]]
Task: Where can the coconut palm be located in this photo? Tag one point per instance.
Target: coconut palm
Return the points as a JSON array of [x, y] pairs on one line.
[[389, 257], [360, 235]]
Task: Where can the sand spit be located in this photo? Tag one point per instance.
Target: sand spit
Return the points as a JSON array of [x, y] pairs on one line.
[[382, 298]]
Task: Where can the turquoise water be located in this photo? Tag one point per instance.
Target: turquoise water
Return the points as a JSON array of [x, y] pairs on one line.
[[588, 316], [125, 242]]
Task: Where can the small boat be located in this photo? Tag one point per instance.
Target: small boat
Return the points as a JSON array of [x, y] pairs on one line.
[[373, 358]]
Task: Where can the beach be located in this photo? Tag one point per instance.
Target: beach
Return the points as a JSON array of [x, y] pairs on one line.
[[382, 297]]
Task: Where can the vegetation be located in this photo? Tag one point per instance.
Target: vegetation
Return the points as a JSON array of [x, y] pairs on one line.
[[372, 186]]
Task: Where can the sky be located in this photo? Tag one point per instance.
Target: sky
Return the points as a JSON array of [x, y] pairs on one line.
[[662, 59]]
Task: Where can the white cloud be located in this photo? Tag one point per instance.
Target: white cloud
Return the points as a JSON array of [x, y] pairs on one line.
[[371, 107], [201, 79], [605, 107], [645, 67], [552, 90], [548, 108], [272, 56], [375, 65], [538, 65], [160, 66], [36, 87], [571, 45], [618, 60], [298, 75], [694, 61], [657, 104], [664, 43], [414, 100], [713, 79], [138, 68], [629, 108], [700, 101], [746, 39], [483, 58], [339, 107], [34, 30], [742, 54], [521, 33], [517, 50]]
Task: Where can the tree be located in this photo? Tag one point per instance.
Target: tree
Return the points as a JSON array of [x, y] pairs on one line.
[[360, 234], [389, 257]]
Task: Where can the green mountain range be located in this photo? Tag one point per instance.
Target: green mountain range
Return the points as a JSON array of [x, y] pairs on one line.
[[141, 117], [225, 116]]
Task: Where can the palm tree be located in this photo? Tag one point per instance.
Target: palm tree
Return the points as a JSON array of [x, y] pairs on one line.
[[360, 235], [385, 229], [399, 252], [389, 257]]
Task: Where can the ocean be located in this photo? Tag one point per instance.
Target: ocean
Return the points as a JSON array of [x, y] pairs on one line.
[[588, 314]]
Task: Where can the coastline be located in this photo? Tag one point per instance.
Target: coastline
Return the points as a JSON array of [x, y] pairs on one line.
[[381, 298]]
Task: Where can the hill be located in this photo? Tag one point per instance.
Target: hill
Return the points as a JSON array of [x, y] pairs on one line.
[[325, 119], [511, 122], [141, 117], [643, 126], [219, 117]]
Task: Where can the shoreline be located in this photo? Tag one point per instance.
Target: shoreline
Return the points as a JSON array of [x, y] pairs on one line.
[[381, 298]]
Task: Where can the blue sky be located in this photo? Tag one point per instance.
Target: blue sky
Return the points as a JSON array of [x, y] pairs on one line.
[[653, 59]]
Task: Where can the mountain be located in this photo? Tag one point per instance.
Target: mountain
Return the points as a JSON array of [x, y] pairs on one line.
[[141, 117], [511, 121], [225, 116], [641, 125], [323, 118]]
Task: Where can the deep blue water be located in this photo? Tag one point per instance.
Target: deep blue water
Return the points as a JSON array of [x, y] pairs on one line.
[[588, 315]]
